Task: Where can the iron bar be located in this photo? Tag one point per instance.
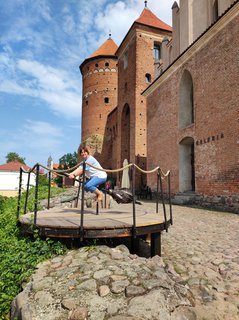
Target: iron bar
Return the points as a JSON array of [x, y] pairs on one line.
[[163, 202], [49, 190], [19, 193], [82, 205], [78, 194], [133, 202], [36, 193], [27, 192], [170, 202], [157, 193]]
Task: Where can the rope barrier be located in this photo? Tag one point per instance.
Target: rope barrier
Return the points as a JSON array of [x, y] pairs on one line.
[[62, 171], [144, 171]]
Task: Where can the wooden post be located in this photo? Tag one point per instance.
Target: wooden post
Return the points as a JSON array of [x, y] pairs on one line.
[[156, 244]]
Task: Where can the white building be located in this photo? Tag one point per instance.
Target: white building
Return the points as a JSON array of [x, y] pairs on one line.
[[9, 178]]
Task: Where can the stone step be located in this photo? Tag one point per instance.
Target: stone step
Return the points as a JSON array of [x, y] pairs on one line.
[[184, 198]]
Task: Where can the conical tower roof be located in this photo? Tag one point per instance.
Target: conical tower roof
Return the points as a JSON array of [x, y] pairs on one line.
[[147, 17], [108, 48]]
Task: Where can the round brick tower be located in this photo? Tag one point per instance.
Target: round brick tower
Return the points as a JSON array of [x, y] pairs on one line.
[[99, 96]]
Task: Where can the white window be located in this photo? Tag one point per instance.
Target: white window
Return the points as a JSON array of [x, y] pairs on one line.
[[157, 51]]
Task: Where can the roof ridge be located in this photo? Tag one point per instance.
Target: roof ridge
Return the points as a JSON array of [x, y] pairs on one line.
[[147, 17]]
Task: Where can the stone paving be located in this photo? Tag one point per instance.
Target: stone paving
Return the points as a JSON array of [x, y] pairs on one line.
[[203, 247]]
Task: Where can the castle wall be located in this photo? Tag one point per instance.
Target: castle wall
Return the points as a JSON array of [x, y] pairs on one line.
[[214, 70]]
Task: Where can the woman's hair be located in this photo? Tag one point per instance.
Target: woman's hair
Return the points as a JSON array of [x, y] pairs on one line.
[[83, 148]]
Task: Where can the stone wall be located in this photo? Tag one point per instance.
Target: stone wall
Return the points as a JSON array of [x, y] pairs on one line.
[[98, 283]]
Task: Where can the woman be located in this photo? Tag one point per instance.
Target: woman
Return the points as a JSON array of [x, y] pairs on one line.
[[97, 177]]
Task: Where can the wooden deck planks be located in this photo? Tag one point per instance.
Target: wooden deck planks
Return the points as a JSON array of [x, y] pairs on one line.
[[71, 218]]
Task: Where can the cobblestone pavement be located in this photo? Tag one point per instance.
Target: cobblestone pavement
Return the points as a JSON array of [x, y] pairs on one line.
[[203, 247]]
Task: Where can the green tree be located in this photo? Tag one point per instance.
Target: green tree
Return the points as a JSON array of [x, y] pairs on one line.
[[69, 160], [13, 156]]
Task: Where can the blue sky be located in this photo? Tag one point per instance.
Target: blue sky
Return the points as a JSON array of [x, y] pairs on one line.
[[42, 44]]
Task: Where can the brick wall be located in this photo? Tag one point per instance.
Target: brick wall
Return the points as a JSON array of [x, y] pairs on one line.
[[99, 84], [215, 74], [138, 45]]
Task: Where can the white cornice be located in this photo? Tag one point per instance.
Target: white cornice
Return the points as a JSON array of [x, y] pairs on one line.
[[195, 47]]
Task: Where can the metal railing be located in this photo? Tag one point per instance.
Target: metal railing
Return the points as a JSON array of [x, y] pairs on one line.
[[159, 192]]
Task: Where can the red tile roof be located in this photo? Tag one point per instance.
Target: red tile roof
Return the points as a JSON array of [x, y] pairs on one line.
[[147, 17], [108, 48], [13, 166]]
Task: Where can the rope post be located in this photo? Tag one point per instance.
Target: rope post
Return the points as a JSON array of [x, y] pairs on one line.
[[36, 194], [19, 193], [163, 202], [82, 205], [49, 190], [157, 193], [78, 194], [27, 191], [134, 236], [169, 195]]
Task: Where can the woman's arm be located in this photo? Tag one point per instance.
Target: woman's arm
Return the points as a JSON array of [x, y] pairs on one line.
[[75, 173]]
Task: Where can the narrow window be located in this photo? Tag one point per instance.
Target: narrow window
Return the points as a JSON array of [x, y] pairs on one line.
[[125, 60], [148, 78], [96, 65], [106, 100], [107, 64], [157, 51]]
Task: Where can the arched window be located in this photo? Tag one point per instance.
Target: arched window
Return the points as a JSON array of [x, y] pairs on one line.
[[148, 78], [186, 108]]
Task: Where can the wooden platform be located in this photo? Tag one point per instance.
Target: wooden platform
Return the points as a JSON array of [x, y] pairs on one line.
[[109, 223]]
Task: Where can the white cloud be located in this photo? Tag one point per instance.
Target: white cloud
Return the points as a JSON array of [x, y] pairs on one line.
[[125, 13], [42, 128], [55, 87]]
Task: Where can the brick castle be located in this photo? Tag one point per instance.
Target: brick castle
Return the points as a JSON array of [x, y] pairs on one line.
[[169, 97]]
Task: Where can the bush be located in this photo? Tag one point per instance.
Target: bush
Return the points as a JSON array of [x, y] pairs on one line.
[[18, 255]]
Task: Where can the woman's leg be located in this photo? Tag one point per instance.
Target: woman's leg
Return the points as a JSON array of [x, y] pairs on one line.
[[91, 185]]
